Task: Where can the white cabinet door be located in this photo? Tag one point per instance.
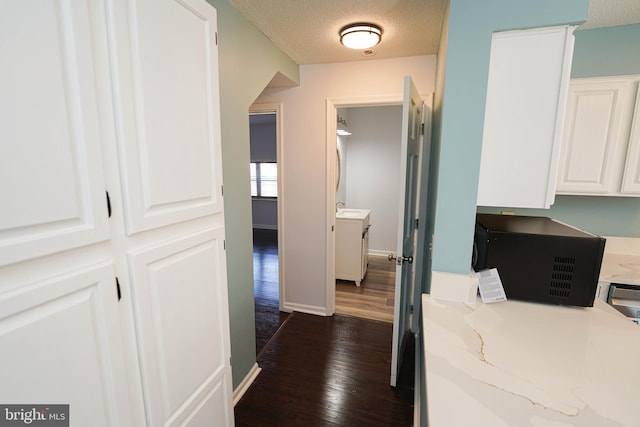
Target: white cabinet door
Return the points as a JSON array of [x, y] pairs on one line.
[[167, 110], [631, 177], [167, 84], [595, 134], [76, 77], [60, 345], [180, 297], [526, 94], [59, 317], [52, 189]]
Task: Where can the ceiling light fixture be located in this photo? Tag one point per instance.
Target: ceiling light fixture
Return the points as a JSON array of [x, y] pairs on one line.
[[360, 36]]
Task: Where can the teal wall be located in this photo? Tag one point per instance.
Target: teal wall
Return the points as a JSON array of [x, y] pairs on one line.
[[608, 51], [599, 52], [461, 114], [248, 60]]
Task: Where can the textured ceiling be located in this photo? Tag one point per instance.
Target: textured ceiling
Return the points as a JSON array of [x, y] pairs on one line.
[[610, 13], [307, 30]]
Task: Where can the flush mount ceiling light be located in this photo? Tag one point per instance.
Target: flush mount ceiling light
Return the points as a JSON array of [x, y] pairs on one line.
[[360, 36]]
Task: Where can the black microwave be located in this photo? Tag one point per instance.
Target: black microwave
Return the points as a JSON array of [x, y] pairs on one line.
[[539, 259]]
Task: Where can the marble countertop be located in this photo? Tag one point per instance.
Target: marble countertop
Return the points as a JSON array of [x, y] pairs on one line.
[[621, 262], [516, 363]]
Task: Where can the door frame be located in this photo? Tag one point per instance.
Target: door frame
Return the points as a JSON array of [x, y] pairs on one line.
[[332, 105], [276, 108]]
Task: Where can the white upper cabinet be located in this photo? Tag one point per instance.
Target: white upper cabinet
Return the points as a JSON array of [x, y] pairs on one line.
[[168, 92], [526, 95], [52, 189], [601, 148], [631, 176]]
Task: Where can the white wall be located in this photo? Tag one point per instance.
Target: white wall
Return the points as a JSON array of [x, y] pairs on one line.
[[373, 171], [304, 178]]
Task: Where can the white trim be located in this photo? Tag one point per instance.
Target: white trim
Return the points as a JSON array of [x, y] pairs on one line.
[[308, 309], [278, 110], [376, 252], [454, 287], [246, 383]]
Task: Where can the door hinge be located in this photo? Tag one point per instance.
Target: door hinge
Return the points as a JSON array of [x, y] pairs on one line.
[[411, 309], [216, 38], [108, 205], [222, 190], [118, 289], [422, 129], [224, 244], [417, 222]]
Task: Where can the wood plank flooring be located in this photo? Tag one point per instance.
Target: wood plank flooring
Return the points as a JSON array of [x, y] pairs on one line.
[[266, 290], [327, 371], [374, 298]]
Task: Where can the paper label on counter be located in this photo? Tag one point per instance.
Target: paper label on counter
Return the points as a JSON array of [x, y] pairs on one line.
[[490, 285]]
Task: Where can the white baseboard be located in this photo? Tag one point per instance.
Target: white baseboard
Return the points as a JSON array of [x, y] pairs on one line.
[[246, 383], [376, 252], [303, 308], [454, 287]]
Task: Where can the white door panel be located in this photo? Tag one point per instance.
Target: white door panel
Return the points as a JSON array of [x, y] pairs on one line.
[[51, 182], [180, 288], [412, 112], [212, 410], [169, 104], [61, 344]]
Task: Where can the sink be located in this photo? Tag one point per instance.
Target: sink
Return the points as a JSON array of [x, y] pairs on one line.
[[352, 213]]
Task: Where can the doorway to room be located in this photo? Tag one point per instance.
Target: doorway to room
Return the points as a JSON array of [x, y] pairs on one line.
[[265, 200], [367, 171]]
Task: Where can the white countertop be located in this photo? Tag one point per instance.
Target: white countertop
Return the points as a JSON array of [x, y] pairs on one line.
[[621, 262], [351, 213], [518, 364]]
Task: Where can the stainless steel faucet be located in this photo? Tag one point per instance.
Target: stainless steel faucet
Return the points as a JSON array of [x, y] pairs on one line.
[[338, 203]]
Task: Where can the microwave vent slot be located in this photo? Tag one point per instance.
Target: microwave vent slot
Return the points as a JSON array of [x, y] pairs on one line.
[[562, 276]]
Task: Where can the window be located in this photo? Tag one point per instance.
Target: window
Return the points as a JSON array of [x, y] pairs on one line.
[[264, 179]]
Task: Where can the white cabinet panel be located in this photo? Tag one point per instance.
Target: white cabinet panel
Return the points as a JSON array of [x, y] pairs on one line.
[[51, 184], [526, 93], [595, 130], [61, 344], [180, 299], [631, 178], [352, 247], [169, 121], [600, 151]]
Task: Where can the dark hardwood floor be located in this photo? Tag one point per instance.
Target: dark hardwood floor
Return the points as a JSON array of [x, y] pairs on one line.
[[328, 371], [265, 286]]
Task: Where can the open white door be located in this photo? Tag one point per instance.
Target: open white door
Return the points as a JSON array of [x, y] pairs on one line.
[[409, 170]]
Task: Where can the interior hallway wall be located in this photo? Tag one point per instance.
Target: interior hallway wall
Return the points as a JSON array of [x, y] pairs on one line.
[[305, 159], [248, 61]]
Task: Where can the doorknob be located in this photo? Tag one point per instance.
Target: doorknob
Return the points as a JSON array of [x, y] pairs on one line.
[[400, 260]]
